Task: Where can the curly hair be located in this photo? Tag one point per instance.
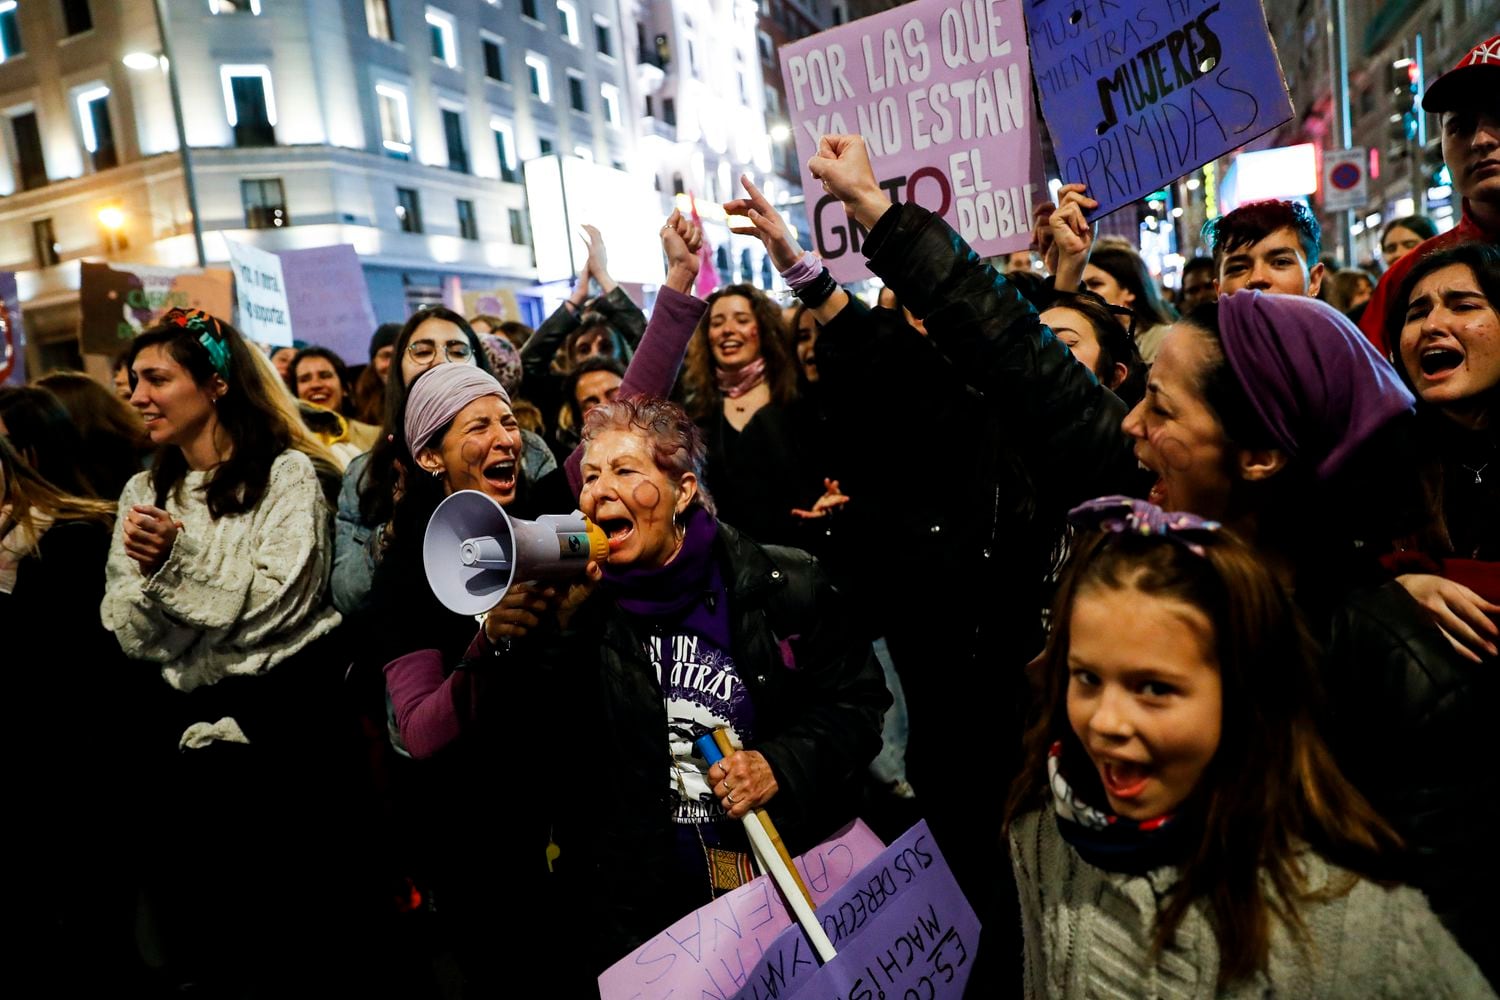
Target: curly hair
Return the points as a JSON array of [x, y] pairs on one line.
[[703, 396], [676, 443]]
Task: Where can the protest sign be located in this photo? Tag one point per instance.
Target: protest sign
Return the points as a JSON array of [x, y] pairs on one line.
[[12, 333], [902, 928], [328, 300], [941, 92], [709, 952], [120, 300], [1137, 93], [261, 288]]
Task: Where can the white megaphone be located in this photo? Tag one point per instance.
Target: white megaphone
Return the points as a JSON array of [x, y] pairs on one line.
[[474, 552]]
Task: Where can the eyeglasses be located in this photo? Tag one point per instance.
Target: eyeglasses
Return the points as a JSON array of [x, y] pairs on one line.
[[424, 352]]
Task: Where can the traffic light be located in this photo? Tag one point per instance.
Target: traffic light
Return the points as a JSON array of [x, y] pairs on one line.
[[1433, 165], [1406, 93]]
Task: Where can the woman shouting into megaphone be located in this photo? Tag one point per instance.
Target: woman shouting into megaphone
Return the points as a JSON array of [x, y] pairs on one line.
[[440, 666]]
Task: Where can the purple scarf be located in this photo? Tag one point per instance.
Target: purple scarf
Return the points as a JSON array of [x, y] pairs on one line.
[[688, 591], [735, 382], [1317, 385]]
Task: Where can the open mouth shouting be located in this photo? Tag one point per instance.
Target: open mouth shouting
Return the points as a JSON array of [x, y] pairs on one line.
[[1123, 780], [501, 476], [1439, 361], [618, 530]]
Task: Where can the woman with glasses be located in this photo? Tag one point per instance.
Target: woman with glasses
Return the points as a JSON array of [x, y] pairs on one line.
[[217, 576], [374, 481]]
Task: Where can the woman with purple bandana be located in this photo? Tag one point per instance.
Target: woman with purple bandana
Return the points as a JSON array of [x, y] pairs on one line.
[[1273, 414]]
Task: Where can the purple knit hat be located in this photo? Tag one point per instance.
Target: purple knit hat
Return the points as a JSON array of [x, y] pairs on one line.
[[439, 393], [1317, 385]]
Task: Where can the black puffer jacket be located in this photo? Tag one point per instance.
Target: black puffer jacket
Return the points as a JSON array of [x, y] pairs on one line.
[[818, 712]]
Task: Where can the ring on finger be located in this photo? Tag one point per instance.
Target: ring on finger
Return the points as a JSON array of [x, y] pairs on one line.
[[729, 799]]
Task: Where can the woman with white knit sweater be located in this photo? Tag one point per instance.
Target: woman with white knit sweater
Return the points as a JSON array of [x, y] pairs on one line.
[[1181, 829], [217, 577]]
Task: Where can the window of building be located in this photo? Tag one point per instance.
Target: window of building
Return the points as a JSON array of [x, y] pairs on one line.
[[773, 100], [744, 88], [528, 9], [468, 221], [538, 77], [692, 51], [395, 122], [544, 147], [94, 123], [584, 152], [408, 210], [28, 145], [505, 149], [44, 242], [265, 203], [77, 18], [251, 7], [453, 135], [494, 57], [444, 37], [609, 96], [567, 20], [10, 31], [517, 226], [766, 46], [669, 110], [604, 40], [250, 104], [677, 187], [576, 98], [378, 20]]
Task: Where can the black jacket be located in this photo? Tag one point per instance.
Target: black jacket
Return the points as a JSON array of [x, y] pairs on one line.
[[818, 716], [1410, 726], [972, 443]]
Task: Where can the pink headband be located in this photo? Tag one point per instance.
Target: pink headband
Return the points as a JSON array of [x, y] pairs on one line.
[[439, 393]]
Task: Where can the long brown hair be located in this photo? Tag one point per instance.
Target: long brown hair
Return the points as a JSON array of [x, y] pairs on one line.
[[1272, 784], [703, 397], [28, 494]]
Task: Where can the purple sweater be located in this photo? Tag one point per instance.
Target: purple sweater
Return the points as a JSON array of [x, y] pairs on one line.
[[434, 705]]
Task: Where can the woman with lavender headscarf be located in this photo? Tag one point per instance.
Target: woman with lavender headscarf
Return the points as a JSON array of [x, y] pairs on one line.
[[1272, 414]]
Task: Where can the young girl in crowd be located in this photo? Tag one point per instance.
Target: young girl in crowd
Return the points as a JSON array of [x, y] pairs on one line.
[[1180, 828], [218, 574]]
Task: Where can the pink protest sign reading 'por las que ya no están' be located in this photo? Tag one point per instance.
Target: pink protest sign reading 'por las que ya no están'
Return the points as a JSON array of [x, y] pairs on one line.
[[941, 92]]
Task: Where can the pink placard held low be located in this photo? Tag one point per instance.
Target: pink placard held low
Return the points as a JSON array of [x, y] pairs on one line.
[[711, 951], [941, 92]]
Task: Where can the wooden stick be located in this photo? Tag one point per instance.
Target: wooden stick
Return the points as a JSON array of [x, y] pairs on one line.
[[721, 740]]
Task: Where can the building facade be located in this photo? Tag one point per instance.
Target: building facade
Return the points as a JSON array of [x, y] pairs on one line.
[[397, 126]]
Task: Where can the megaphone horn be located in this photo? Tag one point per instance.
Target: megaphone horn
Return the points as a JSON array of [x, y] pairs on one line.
[[474, 552]]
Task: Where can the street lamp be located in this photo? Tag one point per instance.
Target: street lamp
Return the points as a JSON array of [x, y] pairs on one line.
[[145, 60], [780, 132], [111, 218]]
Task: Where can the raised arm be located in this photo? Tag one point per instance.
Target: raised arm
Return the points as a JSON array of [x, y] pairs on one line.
[[1072, 441], [653, 369]]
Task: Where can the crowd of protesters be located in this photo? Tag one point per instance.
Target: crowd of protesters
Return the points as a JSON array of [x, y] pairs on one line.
[[1175, 616]]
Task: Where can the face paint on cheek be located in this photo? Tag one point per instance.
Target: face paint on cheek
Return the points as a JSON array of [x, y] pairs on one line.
[[473, 454], [646, 496], [1174, 454]]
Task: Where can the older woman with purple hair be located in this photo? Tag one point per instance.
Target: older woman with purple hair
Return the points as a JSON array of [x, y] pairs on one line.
[[686, 627]]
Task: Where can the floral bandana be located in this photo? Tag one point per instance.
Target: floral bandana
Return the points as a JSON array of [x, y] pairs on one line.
[[1105, 840], [1129, 516], [210, 334]]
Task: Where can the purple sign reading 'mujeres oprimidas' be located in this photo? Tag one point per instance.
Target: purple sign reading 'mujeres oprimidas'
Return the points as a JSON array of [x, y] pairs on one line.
[[1137, 93], [941, 92]]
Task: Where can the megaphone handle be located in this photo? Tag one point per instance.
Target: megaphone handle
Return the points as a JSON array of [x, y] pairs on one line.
[[720, 743]]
